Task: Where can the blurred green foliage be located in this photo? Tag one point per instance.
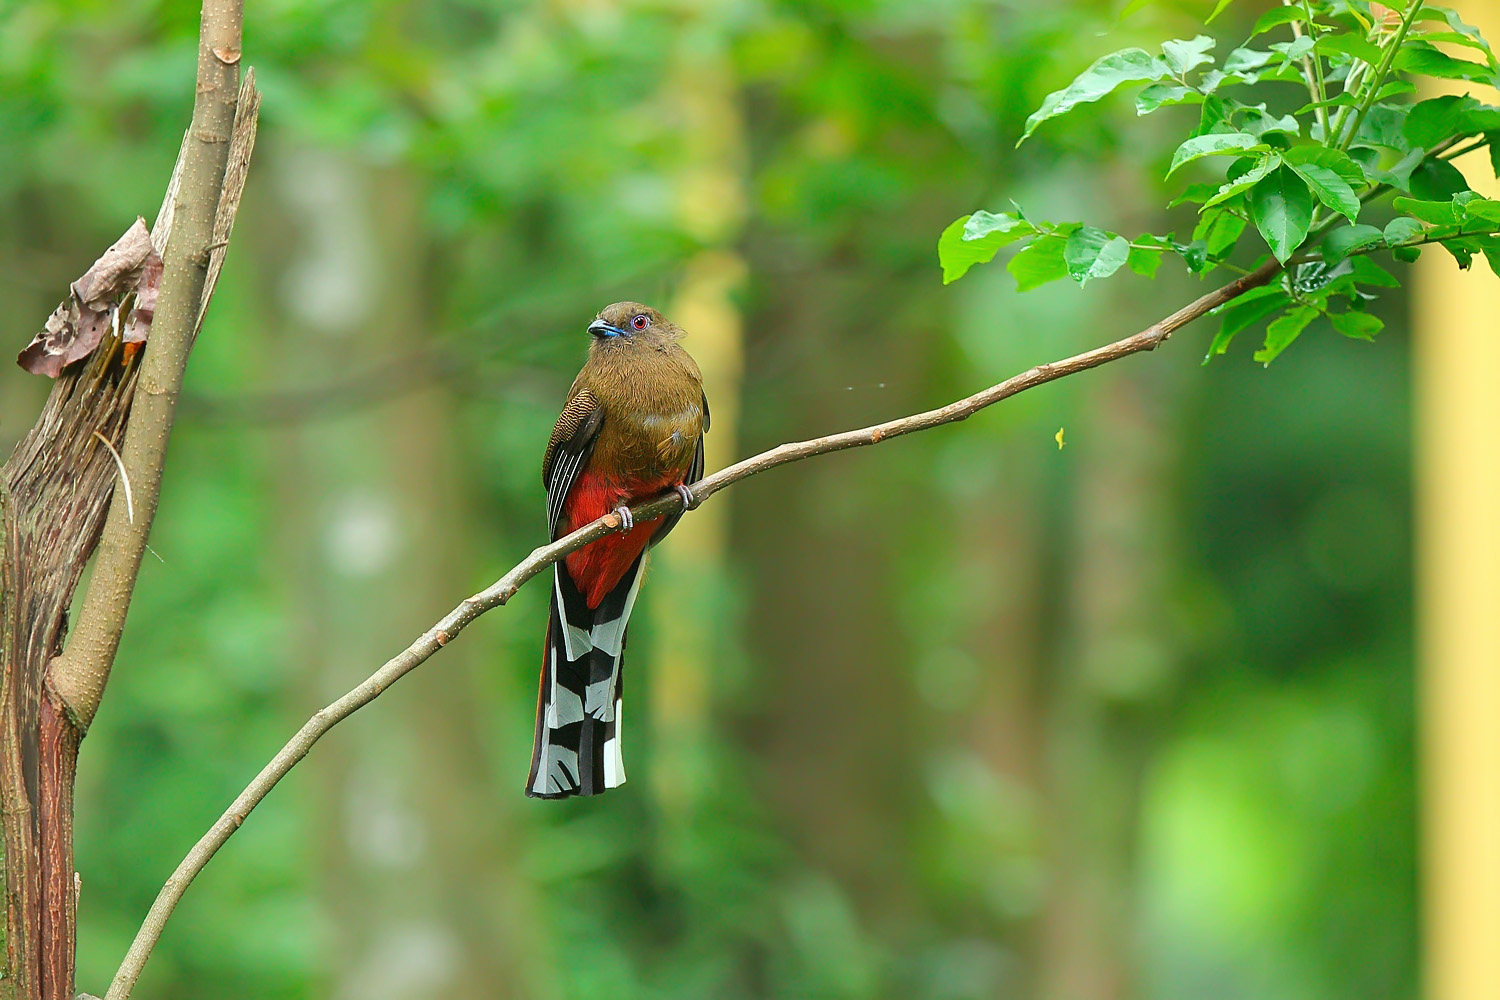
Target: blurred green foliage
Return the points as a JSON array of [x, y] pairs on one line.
[[987, 717]]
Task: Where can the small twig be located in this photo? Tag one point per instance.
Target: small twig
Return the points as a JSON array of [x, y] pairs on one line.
[[1478, 143], [124, 476], [540, 558], [1312, 69]]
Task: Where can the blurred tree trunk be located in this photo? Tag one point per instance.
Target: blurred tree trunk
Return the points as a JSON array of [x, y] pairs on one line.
[[833, 727], [374, 529], [688, 598], [1114, 665]]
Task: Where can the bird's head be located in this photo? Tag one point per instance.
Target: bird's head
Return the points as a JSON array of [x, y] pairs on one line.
[[630, 323]]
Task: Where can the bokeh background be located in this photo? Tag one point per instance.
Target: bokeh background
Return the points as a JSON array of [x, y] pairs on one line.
[[966, 715]]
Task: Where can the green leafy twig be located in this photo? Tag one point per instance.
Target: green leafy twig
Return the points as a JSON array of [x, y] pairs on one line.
[[1300, 181], [1388, 59]]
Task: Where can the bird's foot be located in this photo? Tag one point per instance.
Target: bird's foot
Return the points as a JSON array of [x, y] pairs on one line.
[[627, 521], [689, 501]]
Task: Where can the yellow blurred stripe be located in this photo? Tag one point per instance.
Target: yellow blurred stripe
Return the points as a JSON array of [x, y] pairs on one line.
[[1456, 323]]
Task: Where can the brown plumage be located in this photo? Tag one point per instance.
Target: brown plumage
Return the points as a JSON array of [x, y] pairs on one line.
[[649, 391], [632, 428]]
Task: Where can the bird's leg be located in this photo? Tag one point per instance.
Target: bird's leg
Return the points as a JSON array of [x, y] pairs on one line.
[[627, 522], [689, 501]]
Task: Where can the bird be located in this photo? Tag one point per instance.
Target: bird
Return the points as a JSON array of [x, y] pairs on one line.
[[632, 430]]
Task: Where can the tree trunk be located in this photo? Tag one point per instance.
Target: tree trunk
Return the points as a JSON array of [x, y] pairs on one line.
[[54, 492], [55, 509]]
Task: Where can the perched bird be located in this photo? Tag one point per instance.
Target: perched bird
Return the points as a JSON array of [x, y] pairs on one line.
[[632, 429]]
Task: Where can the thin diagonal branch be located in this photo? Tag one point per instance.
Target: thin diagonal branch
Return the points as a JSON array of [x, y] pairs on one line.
[[543, 556]]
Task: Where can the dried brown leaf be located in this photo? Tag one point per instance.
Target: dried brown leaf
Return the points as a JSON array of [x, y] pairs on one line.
[[77, 327], [117, 269], [144, 311]]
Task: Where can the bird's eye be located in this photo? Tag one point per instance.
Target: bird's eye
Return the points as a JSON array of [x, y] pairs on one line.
[[640, 321]]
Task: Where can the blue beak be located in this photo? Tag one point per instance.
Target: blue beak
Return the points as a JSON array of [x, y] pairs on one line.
[[601, 329]]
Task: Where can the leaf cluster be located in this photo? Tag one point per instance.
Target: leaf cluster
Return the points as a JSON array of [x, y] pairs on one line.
[[1299, 129]]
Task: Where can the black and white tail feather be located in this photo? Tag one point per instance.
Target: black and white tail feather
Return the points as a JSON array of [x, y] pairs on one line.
[[577, 750]]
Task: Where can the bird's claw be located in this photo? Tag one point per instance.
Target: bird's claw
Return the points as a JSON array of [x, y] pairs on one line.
[[689, 501], [627, 522]]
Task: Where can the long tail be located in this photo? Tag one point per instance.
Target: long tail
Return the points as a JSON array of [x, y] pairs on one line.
[[577, 747]]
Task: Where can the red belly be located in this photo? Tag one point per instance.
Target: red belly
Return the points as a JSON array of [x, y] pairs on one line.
[[599, 565]]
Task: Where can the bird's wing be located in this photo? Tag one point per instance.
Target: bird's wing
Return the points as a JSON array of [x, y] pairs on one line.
[[694, 473], [568, 451]]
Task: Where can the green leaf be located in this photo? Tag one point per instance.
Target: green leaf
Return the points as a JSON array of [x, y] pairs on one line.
[[984, 225], [1492, 254], [1275, 17], [1452, 38], [1219, 230], [1283, 330], [1214, 116], [1425, 59], [1103, 77], [1367, 272], [1243, 182], [1395, 88], [1437, 213], [1477, 209], [1259, 122], [1434, 180], [1399, 174], [1331, 189], [1199, 192], [1345, 240], [1430, 122], [1281, 207], [1461, 251], [1215, 144], [1450, 16], [1164, 95], [1182, 56], [1336, 160], [1295, 49], [1194, 255], [1402, 229], [974, 239], [1382, 127], [1359, 325], [1247, 310], [1039, 262], [1218, 9], [1344, 100], [1144, 261], [1093, 253], [1351, 44], [1244, 62]]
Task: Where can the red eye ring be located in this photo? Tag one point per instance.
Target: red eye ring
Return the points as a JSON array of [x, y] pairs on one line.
[[640, 321]]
